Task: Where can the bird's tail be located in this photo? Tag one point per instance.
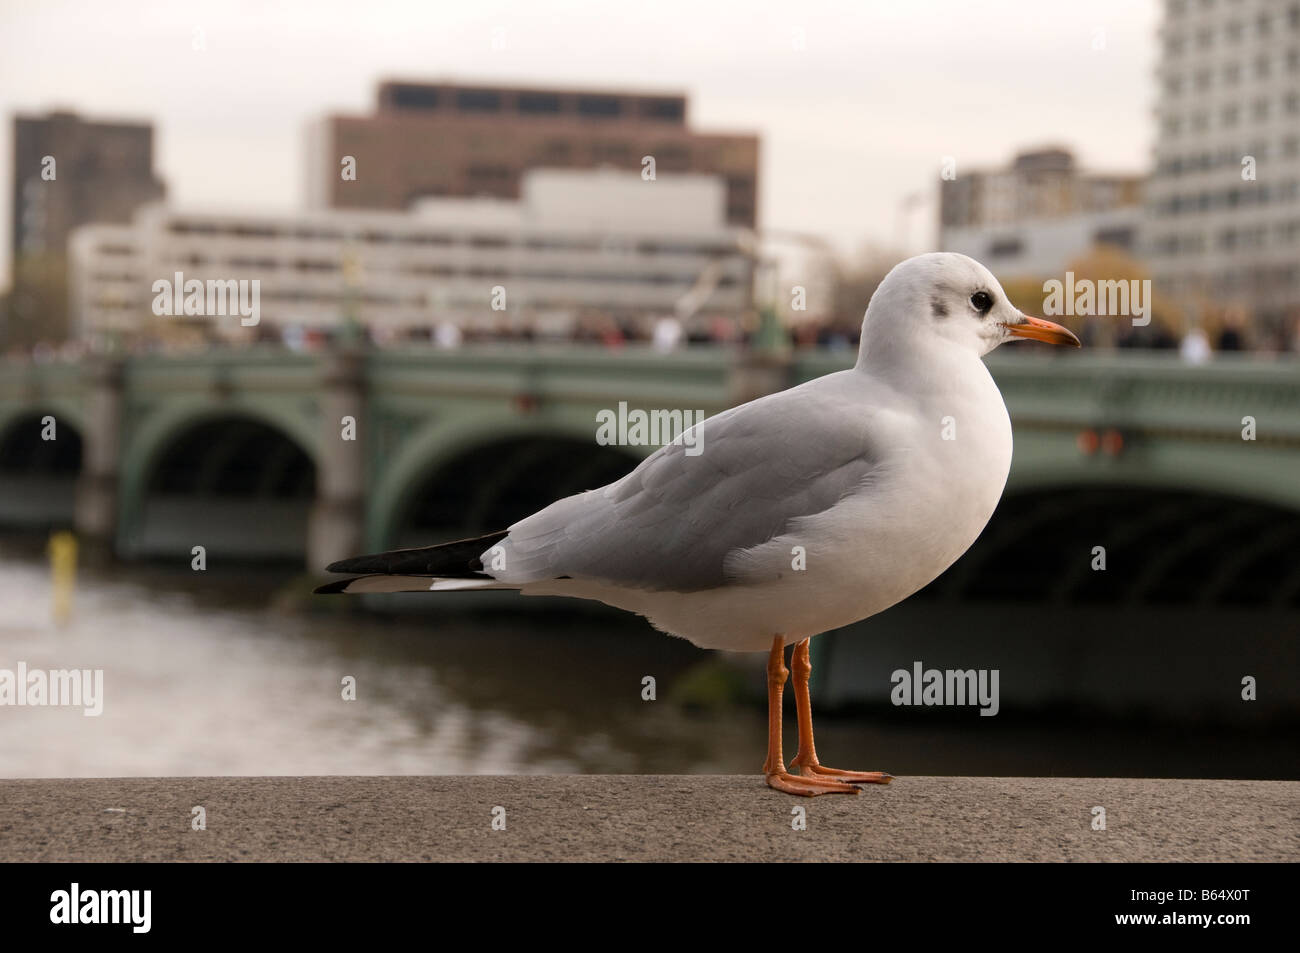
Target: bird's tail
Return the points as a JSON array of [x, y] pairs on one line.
[[445, 568]]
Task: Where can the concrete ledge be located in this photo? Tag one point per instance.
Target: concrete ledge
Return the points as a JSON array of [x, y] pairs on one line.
[[628, 817]]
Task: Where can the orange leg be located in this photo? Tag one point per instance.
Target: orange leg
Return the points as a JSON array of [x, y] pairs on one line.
[[805, 760], [774, 766]]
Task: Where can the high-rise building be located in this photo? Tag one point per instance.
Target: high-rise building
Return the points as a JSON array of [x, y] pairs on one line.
[[1223, 202], [441, 139], [67, 172]]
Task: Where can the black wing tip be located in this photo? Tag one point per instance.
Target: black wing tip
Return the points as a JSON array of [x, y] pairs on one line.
[[332, 588], [456, 558]]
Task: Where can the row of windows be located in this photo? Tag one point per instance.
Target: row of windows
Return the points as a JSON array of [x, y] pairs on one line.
[[1179, 7], [1230, 115], [1230, 75], [106, 304], [537, 103], [1265, 25], [261, 266], [641, 247], [1243, 196], [1012, 247], [1250, 281], [501, 273], [1228, 239], [1207, 161]]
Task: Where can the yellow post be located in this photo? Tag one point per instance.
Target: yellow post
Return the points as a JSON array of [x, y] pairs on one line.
[[63, 572]]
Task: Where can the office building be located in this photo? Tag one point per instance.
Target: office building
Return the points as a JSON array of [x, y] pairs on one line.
[[575, 247], [67, 171], [1223, 201], [445, 140]]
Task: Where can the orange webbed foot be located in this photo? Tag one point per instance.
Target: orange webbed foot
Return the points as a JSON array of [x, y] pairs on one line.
[[815, 770], [807, 786]]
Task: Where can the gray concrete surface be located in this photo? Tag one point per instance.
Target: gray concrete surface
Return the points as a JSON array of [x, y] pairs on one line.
[[626, 817]]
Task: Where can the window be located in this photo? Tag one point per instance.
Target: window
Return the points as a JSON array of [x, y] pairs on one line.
[[669, 109], [415, 97], [478, 100], [1120, 235], [1006, 247], [538, 103], [599, 106]]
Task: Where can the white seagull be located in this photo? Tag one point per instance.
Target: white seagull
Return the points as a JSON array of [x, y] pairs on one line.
[[807, 510]]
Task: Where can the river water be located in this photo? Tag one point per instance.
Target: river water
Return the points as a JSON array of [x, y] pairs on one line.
[[241, 674], [213, 679]]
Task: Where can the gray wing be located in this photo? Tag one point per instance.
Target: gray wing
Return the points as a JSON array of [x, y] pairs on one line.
[[671, 522]]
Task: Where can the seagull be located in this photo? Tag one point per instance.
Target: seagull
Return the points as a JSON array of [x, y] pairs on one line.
[[799, 512]]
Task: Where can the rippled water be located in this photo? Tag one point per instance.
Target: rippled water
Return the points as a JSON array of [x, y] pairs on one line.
[[214, 674], [208, 680]]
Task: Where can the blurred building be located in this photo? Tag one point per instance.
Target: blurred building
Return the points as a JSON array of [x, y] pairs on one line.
[[1033, 217], [442, 139], [1223, 202], [576, 246], [67, 172]]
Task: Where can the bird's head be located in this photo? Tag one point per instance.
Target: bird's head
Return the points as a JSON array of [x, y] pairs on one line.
[[948, 297]]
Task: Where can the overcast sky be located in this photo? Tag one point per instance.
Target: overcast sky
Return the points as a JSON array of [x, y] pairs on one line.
[[856, 102]]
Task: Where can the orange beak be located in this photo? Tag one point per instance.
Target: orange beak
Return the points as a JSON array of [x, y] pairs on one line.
[[1036, 329]]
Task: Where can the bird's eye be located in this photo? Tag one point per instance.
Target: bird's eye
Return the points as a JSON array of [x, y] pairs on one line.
[[981, 301]]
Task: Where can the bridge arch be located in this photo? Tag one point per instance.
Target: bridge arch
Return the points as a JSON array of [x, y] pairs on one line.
[[467, 476], [1163, 546], [38, 476], [239, 481], [1263, 472]]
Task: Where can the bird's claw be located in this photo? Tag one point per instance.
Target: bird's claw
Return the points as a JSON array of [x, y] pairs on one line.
[[815, 770], [807, 786]]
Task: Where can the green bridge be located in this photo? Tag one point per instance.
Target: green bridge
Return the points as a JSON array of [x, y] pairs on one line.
[[246, 452]]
